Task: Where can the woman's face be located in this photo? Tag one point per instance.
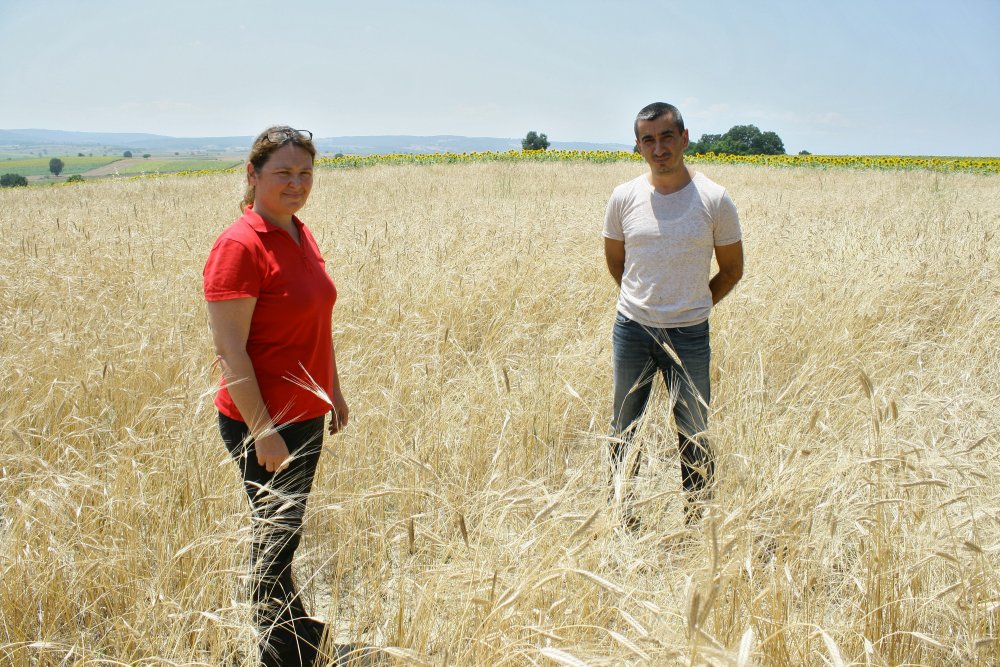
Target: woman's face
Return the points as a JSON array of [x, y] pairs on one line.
[[282, 185]]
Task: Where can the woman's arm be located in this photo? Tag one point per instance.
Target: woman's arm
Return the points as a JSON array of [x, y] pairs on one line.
[[340, 413], [230, 321]]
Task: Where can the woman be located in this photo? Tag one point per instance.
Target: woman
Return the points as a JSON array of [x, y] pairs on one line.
[[269, 304]]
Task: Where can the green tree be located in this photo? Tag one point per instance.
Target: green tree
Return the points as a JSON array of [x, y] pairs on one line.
[[739, 140], [75, 178], [704, 145], [145, 155], [769, 143], [534, 142], [56, 166], [12, 181], [127, 154]]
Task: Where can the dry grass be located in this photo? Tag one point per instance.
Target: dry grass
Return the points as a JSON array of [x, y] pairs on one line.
[[462, 516]]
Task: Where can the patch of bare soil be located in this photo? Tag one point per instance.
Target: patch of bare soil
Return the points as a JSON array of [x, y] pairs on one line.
[[113, 167]]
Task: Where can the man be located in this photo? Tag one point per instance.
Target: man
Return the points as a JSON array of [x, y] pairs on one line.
[[660, 232]]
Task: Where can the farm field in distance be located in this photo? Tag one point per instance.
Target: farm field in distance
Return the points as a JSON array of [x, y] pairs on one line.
[[36, 169], [39, 166], [462, 517]]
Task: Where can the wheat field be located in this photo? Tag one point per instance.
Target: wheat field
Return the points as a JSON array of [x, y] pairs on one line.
[[463, 517]]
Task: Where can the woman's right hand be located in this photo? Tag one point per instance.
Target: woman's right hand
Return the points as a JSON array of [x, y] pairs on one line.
[[272, 452], [230, 321]]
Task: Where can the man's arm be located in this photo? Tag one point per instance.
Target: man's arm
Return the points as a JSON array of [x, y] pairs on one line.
[[614, 254], [730, 260]]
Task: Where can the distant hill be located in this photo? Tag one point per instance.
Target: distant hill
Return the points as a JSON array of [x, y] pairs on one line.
[[33, 140], [152, 143]]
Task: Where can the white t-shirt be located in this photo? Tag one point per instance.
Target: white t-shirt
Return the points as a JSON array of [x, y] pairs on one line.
[[669, 243]]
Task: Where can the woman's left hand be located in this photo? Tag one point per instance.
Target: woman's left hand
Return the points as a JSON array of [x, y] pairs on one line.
[[340, 413]]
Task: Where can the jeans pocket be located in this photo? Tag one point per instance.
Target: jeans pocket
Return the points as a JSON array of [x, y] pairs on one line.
[[693, 330], [621, 319]]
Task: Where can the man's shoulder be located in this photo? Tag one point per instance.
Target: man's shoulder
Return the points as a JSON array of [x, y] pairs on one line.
[[712, 194], [707, 186], [631, 186]]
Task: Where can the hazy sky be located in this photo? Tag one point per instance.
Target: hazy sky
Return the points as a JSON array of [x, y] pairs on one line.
[[851, 76]]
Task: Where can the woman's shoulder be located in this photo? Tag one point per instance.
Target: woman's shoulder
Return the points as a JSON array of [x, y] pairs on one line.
[[240, 231], [236, 246]]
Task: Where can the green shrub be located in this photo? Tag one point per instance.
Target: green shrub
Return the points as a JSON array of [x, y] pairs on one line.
[[12, 181]]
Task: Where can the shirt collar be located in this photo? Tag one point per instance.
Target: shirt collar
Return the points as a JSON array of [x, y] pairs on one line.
[[260, 225]]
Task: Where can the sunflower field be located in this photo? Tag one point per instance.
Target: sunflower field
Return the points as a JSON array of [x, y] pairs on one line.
[[878, 162]]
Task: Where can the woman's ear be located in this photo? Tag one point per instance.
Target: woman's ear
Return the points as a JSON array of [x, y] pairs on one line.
[[251, 174]]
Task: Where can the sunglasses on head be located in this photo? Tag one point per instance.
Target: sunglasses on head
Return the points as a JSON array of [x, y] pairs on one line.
[[277, 136]]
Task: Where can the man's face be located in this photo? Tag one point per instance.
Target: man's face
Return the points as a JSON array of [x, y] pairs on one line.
[[661, 144]]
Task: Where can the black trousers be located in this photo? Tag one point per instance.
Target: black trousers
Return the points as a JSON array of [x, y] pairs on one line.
[[277, 504]]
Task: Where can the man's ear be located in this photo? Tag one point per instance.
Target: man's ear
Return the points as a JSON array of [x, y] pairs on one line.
[[251, 174]]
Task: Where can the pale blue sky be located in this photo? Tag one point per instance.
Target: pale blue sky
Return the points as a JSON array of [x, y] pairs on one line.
[[844, 77]]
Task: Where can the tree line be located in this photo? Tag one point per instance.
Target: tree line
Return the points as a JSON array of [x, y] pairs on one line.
[[739, 140]]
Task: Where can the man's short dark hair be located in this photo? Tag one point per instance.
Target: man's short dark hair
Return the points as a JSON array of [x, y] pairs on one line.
[[654, 111]]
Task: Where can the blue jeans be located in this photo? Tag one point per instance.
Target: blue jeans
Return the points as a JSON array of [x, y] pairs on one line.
[[682, 356]]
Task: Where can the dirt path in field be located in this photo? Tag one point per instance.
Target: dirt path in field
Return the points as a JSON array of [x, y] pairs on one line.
[[112, 167]]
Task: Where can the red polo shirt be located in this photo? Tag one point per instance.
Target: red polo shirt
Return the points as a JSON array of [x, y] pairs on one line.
[[290, 328]]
